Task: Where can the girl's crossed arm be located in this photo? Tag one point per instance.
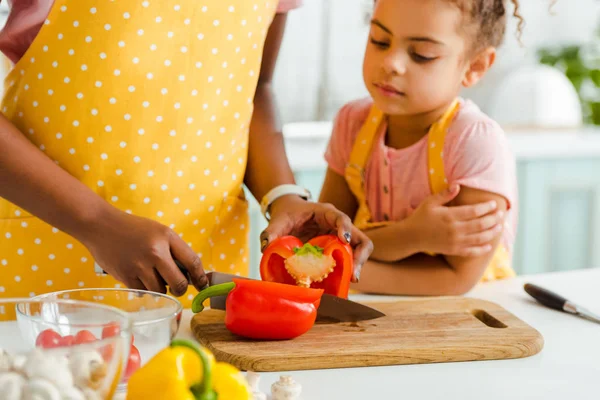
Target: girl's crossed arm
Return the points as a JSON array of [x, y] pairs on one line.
[[466, 234]]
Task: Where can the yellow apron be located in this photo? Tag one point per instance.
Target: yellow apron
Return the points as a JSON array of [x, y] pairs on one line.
[[500, 265], [148, 103]]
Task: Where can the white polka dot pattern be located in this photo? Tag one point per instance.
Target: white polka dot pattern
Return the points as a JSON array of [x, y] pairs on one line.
[[122, 115]]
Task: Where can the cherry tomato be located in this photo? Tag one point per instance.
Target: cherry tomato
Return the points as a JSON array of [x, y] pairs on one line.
[[133, 363], [111, 329], [68, 340], [84, 336], [107, 351], [48, 339]]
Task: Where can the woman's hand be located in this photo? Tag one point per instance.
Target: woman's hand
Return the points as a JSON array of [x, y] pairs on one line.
[[291, 215], [465, 231], [141, 253]]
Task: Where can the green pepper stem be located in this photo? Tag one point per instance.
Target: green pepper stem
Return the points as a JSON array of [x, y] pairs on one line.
[[202, 390], [308, 248], [211, 291]]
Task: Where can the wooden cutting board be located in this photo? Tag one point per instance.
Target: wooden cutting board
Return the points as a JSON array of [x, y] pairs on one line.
[[412, 332]]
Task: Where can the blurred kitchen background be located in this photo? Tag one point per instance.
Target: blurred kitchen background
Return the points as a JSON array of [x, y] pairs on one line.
[[545, 92]]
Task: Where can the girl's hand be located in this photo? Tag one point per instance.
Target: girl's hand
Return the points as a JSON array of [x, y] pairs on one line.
[[291, 215], [141, 253], [465, 231]]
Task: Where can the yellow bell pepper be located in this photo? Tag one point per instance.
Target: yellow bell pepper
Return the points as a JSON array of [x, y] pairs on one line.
[[184, 371]]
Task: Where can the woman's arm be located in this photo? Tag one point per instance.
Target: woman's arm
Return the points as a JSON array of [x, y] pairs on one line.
[[136, 251], [268, 165], [29, 179]]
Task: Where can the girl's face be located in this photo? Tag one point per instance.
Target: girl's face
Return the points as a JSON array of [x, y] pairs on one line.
[[414, 58]]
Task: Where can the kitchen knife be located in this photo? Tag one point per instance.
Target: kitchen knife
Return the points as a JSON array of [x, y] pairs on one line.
[[557, 302], [331, 309]]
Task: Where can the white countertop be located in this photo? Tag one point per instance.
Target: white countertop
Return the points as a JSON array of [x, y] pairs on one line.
[[567, 368], [306, 143]]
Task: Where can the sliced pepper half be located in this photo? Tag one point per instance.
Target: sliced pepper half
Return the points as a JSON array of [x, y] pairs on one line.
[[264, 310], [324, 262]]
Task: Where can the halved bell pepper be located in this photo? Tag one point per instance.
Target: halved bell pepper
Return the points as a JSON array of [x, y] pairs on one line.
[[264, 310], [184, 371], [325, 262]]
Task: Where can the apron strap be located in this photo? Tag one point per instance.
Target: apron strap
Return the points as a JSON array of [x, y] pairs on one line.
[[500, 264], [355, 169], [437, 136]]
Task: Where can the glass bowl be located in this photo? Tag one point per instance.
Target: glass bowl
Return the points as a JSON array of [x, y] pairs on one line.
[[55, 348], [155, 318]]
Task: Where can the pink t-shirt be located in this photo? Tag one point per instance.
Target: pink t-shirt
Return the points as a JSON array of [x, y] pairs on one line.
[[476, 154], [27, 16]]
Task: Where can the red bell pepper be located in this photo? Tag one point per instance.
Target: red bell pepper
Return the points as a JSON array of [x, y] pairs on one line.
[[325, 262], [264, 310]]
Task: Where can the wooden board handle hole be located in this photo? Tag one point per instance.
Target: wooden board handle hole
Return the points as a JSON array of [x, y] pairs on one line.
[[487, 319]]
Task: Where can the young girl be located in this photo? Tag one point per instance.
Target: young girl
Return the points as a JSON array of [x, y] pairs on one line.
[[400, 158]]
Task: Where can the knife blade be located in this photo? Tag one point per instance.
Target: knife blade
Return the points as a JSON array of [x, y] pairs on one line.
[[557, 302], [331, 309]]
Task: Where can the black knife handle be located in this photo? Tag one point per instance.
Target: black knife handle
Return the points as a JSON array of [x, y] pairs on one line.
[[546, 297]]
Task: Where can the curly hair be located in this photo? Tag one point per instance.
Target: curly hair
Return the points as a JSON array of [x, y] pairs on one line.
[[486, 20]]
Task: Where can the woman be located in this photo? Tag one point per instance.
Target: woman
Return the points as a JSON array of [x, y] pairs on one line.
[[129, 129]]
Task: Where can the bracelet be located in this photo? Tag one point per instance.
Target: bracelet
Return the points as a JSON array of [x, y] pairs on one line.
[[280, 191]]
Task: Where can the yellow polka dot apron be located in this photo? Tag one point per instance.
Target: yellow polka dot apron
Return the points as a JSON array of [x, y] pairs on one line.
[[148, 103], [500, 265]]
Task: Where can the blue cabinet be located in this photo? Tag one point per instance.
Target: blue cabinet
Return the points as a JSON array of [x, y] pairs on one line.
[[559, 215]]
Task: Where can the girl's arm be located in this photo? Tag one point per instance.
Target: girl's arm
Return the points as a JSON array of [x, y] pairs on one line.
[[434, 227], [393, 242], [419, 275], [335, 191], [434, 276]]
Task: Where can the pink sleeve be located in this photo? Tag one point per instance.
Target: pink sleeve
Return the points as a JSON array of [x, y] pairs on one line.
[[341, 140], [287, 5], [480, 157]]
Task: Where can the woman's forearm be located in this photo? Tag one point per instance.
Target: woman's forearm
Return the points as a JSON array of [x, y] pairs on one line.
[[268, 165], [32, 181]]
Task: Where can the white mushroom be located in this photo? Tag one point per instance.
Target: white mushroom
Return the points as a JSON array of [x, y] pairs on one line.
[[257, 395], [53, 369], [286, 389], [253, 378], [40, 389], [88, 368], [73, 394], [90, 394], [18, 362], [5, 361], [11, 386]]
